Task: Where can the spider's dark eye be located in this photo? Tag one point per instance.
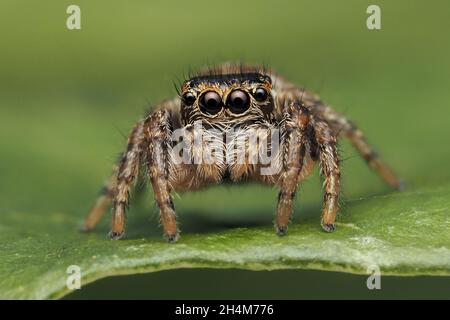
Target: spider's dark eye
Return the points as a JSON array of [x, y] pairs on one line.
[[260, 94], [210, 102], [189, 99], [238, 101]]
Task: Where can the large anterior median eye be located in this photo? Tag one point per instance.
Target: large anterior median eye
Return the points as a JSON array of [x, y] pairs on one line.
[[210, 102], [238, 101]]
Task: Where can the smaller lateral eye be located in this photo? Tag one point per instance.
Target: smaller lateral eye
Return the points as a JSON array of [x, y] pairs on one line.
[[188, 99], [260, 94]]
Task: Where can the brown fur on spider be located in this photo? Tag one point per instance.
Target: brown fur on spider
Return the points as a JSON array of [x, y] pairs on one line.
[[220, 107]]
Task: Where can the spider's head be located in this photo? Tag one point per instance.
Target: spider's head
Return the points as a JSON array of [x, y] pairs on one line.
[[227, 95]]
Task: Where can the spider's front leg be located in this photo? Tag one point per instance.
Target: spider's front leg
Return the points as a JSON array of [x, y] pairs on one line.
[[329, 168], [158, 132], [294, 126]]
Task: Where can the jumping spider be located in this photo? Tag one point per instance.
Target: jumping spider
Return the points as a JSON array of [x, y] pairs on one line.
[[239, 99]]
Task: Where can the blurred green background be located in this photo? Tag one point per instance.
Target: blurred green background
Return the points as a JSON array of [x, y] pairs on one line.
[[69, 97]]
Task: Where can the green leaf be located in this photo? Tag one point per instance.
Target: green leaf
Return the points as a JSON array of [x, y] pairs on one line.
[[67, 97], [403, 233]]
